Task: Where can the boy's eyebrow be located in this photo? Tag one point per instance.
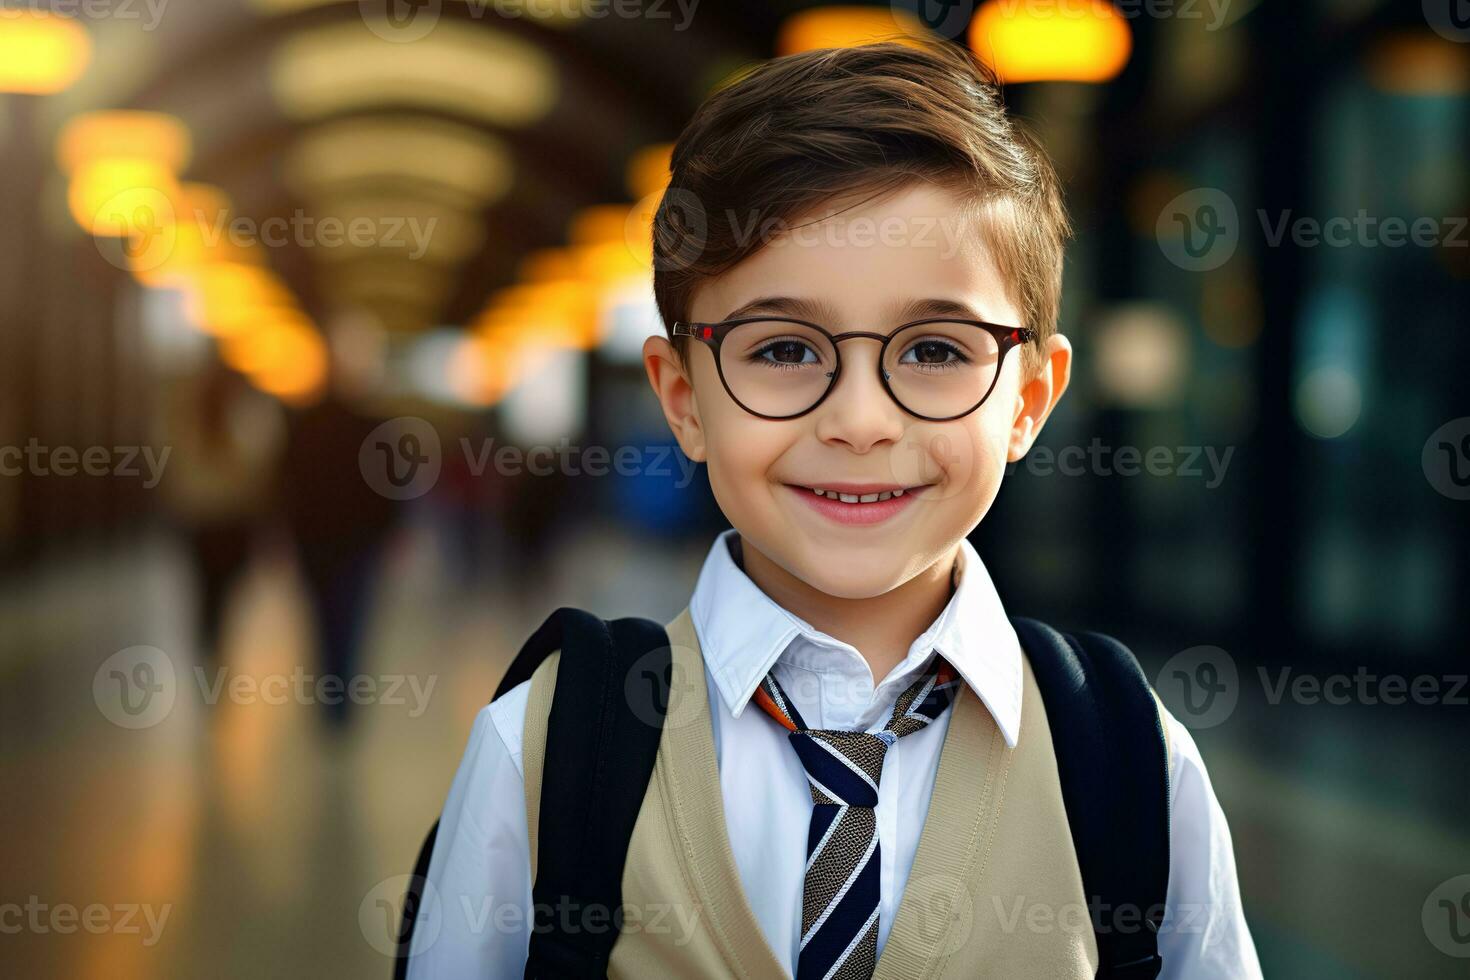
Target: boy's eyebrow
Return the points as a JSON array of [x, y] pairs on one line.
[[921, 309], [802, 309], [819, 312]]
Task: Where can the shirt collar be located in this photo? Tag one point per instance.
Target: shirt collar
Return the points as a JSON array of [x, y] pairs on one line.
[[742, 633]]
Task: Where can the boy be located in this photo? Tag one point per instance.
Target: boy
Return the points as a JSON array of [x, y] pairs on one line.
[[862, 309]]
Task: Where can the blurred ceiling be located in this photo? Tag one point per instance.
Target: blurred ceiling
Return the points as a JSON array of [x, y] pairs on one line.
[[483, 131]]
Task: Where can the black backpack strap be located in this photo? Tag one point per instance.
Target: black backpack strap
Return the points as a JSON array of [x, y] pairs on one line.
[[413, 897], [601, 741], [1113, 762]]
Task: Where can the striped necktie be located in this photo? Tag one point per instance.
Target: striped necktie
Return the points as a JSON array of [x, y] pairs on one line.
[[839, 909]]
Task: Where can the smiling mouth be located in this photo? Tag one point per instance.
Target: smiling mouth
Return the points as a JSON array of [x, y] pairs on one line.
[[858, 495]]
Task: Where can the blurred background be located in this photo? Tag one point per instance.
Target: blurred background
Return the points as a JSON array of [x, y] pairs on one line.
[[319, 389]]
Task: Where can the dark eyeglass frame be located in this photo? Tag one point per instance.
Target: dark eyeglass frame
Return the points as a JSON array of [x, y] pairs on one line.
[[713, 335]]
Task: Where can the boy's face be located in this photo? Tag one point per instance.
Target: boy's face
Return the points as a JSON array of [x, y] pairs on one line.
[[863, 269]]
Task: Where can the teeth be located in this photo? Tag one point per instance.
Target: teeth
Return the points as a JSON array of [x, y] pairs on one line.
[[853, 498]]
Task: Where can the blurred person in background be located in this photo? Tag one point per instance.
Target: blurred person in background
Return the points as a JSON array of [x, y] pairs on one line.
[[339, 522], [226, 438]]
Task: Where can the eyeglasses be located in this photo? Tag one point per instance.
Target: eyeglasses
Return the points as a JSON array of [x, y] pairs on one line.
[[777, 368]]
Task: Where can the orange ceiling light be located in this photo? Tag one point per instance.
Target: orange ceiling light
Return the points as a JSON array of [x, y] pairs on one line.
[[611, 242], [598, 224], [229, 297], [613, 263], [122, 197], [272, 346], [41, 53], [564, 317], [199, 211], [547, 265], [1061, 41], [156, 137], [298, 372], [123, 168], [846, 27], [527, 307]]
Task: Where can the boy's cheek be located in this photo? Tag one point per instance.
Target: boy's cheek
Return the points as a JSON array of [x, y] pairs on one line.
[[962, 458], [740, 456]]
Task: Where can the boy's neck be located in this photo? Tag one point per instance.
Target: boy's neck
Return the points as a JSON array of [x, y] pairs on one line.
[[881, 628]]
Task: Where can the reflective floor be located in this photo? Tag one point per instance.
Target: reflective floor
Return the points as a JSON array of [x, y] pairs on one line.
[[249, 838]]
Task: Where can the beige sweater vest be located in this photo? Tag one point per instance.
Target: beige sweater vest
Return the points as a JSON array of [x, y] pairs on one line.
[[994, 893]]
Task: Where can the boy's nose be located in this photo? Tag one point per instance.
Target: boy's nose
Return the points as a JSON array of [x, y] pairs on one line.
[[858, 412]]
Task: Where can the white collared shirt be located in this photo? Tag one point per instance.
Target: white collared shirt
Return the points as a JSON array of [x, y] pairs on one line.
[[477, 922]]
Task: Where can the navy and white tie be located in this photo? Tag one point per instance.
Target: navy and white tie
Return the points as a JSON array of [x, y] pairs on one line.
[[840, 896]]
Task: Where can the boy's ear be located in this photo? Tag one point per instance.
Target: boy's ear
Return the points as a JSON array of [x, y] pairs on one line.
[[1039, 395], [670, 381]]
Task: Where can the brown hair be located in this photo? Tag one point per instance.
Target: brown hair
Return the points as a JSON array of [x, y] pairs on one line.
[[809, 128]]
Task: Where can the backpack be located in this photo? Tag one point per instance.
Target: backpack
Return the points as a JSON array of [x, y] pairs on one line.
[[1107, 732]]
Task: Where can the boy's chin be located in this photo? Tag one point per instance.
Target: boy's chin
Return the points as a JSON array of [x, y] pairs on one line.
[[849, 577]]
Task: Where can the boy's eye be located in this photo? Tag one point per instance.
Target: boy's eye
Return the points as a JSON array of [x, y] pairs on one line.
[[931, 352], [787, 352]]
